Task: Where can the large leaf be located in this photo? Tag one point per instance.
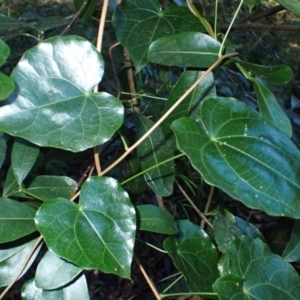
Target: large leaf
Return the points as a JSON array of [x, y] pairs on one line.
[[257, 273], [139, 23], [187, 49], [292, 251], [194, 255], [9, 23], [17, 220], [23, 157], [4, 52], [291, 5], [54, 272], [154, 150], [97, 233], [53, 104], [49, 187], [156, 219], [77, 290], [236, 150], [11, 259]]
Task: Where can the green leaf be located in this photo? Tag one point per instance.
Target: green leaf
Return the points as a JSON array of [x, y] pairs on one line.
[[152, 151], [134, 17], [251, 3], [257, 273], [187, 49], [11, 259], [236, 150], [292, 251], [9, 24], [47, 187], [270, 109], [2, 148], [54, 104], [7, 86], [17, 220], [10, 184], [23, 157], [77, 290], [97, 233], [4, 52], [291, 5], [54, 272], [155, 219], [89, 9], [194, 255]]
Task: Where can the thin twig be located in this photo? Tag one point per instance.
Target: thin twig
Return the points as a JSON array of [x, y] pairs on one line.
[[207, 206], [160, 201]]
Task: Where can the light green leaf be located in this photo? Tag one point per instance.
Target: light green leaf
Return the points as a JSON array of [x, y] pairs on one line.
[[292, 251], [251, 3], [134, 17], [12, 258], [257, 273], [53, 105], [236, 150], [54, 272], [152, 151], [97, 233], [77, 290], [291, 5], [7, 86], [16, 220], [4, 52], [270, 109], [187, 49], [194, 255], [155, 219], [2, 148], [23, 157], [46, 187]]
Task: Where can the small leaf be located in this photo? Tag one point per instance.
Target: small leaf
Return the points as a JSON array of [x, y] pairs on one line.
[[17, 220], [194, 255], [2, 148], [234, 149], [89, 9], [23, 157], [291, 5], [97, 233], [156, 219], [7, 86], [12, 258], [54, 272], [292, 251], [257, 273], [53, 103], [4, 52], [46, 187], [251, 3], [153, 150], [77, 290], [187, 49]]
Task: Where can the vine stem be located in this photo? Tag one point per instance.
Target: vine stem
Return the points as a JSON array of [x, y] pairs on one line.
[[172, 108]]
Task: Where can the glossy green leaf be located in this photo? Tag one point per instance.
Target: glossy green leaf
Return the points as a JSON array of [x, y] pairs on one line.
[[77, 290], [257, 273], [270, 108], [291, 5], [236, 150], [155, 219], [97, 233], [134, 17], [16, 220], [23, 157], [194, 255], [152, 151], [10, 184], [292, 251], [4, 52], [54, 272], [88, 10], [2, 148], [187, 49], [46, 187], [12, 258], [53, 104], [7, 86]]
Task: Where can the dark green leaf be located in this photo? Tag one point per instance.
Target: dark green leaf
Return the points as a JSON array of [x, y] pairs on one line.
[[11, 259], [10, 184], [49, 187], [54, 105], [4, 52], [187, 49], [153, 150], [17, 220], [251, 3], [257, 273], [2, 148], [194, 255], [7, 86], [291, 5], [236, 150], [54, 272], [134, 17], [97, 233], [23, 157], [77, 290], [9, 23], [292, 251], [88, 10], [155, 219]]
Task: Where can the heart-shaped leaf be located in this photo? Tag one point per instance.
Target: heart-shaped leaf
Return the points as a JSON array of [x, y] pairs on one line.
[[53, 104], [236, 150], [97, 233]]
